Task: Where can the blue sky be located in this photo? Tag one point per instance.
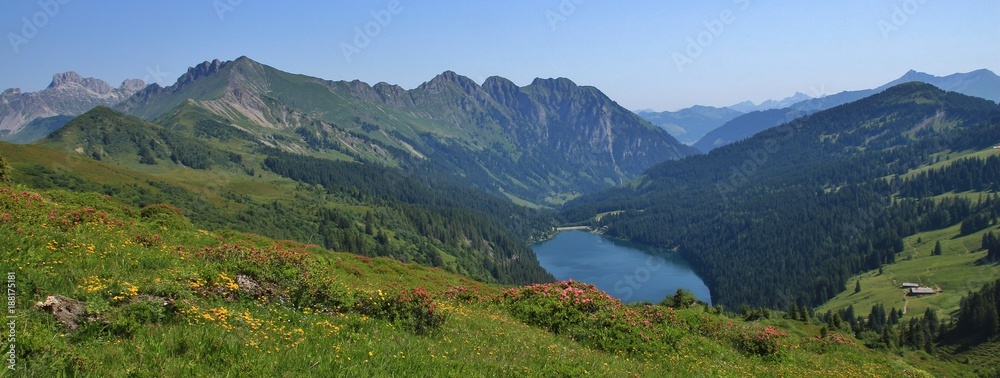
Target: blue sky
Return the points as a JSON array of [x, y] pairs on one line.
[[663, 55]]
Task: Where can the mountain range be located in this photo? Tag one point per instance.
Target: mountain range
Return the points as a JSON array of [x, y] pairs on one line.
[[28, 116], [563, 139], [748, 106], [980, 83], [690, 124]]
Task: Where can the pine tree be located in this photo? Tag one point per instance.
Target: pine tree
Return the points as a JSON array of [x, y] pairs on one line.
[[793, 311], [836, 322], [857, 287], [933, 324], [889, 337], [369, 223], [937, 249], [893, 317], [992, 245]]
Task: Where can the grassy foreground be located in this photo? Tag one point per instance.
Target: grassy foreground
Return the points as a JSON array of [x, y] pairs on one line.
[[163, 298]]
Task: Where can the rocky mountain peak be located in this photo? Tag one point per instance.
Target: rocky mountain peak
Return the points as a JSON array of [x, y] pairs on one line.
[[244, 64], [63, 78], [204, 69], [442, 81], [133, 85], [559, 84], [497, 84], [503, 90], [392, 94], [97, 85]]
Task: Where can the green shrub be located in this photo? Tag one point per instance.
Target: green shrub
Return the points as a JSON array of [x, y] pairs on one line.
[[167, 216], [591, 316], [414, 309]]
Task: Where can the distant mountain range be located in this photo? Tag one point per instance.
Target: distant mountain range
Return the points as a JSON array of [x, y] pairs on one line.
[[980, 83], [69, 94], [690, 124], [541, 143], [747, 106]]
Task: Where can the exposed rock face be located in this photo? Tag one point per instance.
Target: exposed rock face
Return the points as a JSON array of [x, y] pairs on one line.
[[553, 118], [67, 311], [199, 71], [68, 94], [550, 136]]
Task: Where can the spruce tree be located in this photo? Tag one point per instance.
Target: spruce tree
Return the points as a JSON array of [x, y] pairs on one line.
[[992, 245], [857, 287], [369, 223], [937, 249]]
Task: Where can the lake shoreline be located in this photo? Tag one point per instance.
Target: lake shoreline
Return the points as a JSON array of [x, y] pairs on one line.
[[626, 270]]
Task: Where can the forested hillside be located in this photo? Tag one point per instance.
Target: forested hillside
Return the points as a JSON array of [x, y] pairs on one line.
[[789, 215]]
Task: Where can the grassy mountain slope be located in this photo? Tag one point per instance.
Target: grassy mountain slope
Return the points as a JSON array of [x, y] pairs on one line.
[[519, 141], [958, 270], [103, 133], [162, 297], [365, 209]]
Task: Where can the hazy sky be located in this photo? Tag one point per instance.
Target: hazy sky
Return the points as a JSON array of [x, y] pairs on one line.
[[662, 55]]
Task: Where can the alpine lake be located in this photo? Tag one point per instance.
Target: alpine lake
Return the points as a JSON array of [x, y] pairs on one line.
[[628, 271]]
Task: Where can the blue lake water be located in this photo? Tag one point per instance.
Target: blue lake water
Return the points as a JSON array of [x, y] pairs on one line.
[[628, 271]]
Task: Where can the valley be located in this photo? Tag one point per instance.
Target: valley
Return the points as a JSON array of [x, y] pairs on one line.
[[430, 199], [485, 189]]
